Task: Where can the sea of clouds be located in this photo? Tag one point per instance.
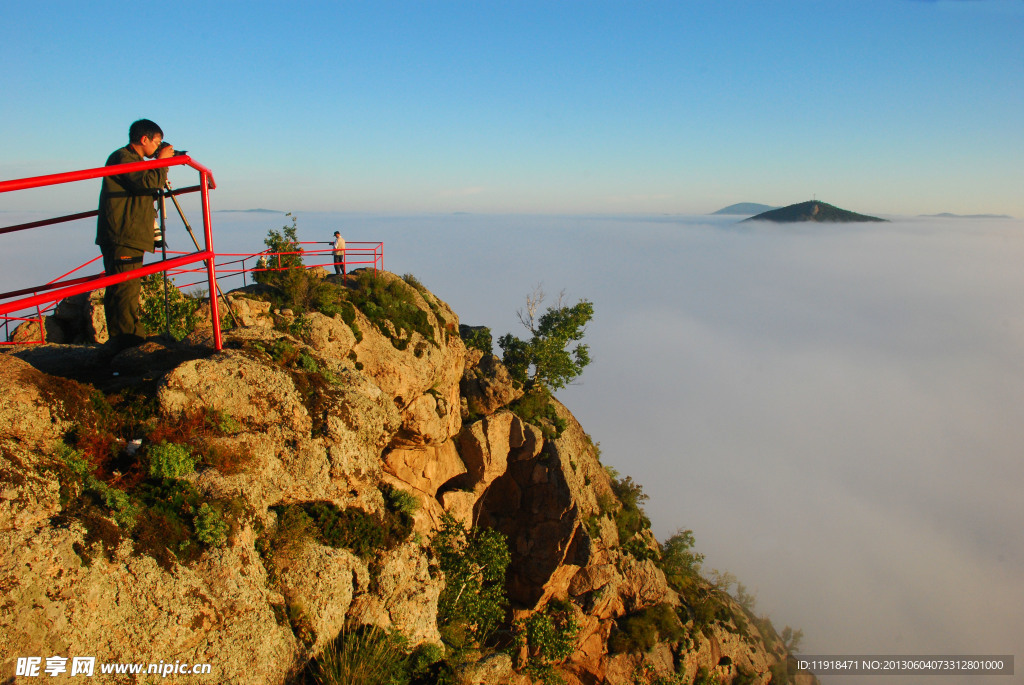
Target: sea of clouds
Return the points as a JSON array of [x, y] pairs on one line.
[[836, 411]]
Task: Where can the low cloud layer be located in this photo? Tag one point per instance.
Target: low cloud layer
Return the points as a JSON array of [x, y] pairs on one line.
[[836, 411]]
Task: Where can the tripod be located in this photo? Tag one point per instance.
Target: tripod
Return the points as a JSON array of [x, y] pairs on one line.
[[169, 192]]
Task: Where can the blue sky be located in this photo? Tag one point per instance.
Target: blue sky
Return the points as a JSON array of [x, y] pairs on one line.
[[890, 107]]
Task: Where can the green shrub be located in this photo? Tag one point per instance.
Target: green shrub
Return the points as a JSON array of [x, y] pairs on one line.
[[744, 676], [425, 656], [536, 407], [431, 301], [307, 363], [176, 312], [125, 510], [780, 673], [347, 311], [391, 306], [705, 606], [640, 549], [639, 632], [211, 528], [549, 635], [704, 677], [173, 518], [365, 534], [634, 635], [791, 639], [169, 460], [679, 563], [477, 337], [167, 518], [366, 655], [630, 518], [400, 501], [474, 561]]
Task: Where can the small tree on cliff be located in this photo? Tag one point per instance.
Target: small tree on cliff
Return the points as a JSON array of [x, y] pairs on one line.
[[547, 352], [284, 254]]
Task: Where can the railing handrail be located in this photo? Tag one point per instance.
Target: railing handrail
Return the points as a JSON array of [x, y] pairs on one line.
[[100, 172]]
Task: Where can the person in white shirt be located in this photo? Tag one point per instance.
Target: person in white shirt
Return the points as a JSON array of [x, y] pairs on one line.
[[339, 253]]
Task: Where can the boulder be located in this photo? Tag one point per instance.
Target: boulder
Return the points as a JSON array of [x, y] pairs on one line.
[[485, 446], [257, 394], [486, 385], [318, 583], [83, 318], [425, 468], [404, 596]]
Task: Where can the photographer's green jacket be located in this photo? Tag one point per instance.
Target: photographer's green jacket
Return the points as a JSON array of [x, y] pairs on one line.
[[126, 204]]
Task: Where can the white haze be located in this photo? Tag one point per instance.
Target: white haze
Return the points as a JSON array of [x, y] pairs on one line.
[[836, 411]]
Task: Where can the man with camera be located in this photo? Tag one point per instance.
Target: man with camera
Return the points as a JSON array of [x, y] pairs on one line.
[[124, 229]]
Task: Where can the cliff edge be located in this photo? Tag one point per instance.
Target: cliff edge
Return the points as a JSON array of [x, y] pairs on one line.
[[244, 508]]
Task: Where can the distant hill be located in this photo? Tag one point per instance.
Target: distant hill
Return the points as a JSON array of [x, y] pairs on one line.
[[813, 210], [947, 215], [745, 208]]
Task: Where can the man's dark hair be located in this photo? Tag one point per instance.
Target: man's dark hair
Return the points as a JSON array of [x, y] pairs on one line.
[[143, 128]]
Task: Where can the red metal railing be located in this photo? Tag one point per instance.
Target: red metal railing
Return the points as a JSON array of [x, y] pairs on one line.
[[40, 312], [357, 254], [57, 290]]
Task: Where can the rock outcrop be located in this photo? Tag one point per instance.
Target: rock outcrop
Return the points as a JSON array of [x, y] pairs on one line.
[[328, 414]]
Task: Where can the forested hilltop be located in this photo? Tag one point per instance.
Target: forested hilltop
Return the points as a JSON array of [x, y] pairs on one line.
[[813, 210], [355, 490]]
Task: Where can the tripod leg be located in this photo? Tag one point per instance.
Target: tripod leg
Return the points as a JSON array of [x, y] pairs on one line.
[[195, 242], [163, 250]]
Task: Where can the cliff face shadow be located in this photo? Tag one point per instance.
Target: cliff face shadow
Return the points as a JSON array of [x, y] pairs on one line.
[[108, 372]]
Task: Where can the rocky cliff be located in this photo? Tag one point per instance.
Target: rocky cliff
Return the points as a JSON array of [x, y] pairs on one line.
[[243, 508]]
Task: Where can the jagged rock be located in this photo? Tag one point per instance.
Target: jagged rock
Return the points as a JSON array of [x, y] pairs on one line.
[[460, 504], [248, 312], [83, 318], [28, 332], [129, 609], [622, 669], [237, 307], [592, 578], [486, 384], [257, 394], [493, 669], [331, 337], [405, 597], [318, 583], [425, 468], [645, 583], [484, 447], [29, 414], [75, 320], [61, 360], [426, 420], [421, 367], [153, 357], [360, 420]]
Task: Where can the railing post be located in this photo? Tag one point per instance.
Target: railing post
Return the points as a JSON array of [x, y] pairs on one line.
[[211, 269]]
